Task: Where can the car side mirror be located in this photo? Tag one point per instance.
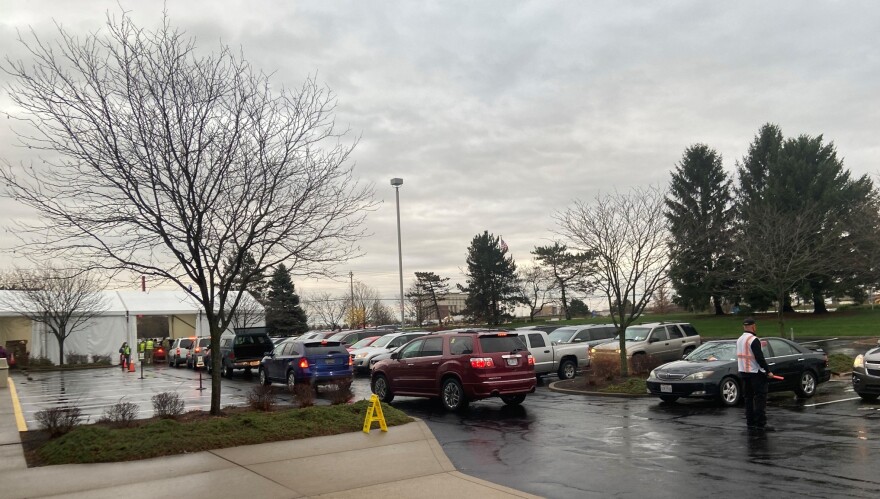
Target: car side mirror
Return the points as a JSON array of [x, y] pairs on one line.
[[395, 356], [271, 354]]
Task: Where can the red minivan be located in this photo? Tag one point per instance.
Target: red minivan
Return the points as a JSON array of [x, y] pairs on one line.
[[458, 368]]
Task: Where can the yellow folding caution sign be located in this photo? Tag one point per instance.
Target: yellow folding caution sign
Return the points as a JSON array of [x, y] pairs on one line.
[[374, 413]]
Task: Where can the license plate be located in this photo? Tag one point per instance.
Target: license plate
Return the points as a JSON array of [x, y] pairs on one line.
[[329, 361], [666, 388], [512, 362]]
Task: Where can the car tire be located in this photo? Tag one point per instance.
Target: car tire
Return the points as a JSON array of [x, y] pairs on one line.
[[869, 397], [669, 398], [264, 379], [227, 371], [291, 381], [807, 385], [452, 395], [513, 399], [382, 389], [567, 370], [729, 392]]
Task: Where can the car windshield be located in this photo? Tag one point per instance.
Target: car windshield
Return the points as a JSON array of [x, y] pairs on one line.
[[713, 351], [636, 333], [562, 335], [381, 342], [364, 342]]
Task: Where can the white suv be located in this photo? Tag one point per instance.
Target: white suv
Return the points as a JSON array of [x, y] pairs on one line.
[[662, 342], [179, 350]]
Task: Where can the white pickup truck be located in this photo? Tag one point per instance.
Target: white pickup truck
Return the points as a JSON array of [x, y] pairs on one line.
[[563, 360]]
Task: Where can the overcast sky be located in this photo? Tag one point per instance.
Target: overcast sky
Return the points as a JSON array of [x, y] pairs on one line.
[[498, 114]]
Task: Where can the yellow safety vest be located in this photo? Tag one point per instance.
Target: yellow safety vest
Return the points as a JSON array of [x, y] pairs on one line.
[[149, 344], [141, 346]]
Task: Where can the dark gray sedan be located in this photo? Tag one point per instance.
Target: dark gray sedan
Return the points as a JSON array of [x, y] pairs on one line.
[[710, 372], [866, 375]]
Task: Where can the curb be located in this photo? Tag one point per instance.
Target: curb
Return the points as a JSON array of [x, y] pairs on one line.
[[568, 391]]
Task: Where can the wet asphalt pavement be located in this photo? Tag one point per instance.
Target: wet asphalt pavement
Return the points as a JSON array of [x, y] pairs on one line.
[[561, 446]]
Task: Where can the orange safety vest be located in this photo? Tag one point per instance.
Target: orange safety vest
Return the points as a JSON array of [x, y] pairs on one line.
[[745, 357]]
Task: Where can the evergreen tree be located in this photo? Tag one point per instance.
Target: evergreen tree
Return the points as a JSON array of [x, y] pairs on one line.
[[284, 315], [491, 279], [434, 288], [578, 308], [569, 270], [700, 215]]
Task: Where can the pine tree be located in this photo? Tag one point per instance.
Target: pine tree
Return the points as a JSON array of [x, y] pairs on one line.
[[491, 279], [569, 270], [284, 315], [700, 214], [434, 288]]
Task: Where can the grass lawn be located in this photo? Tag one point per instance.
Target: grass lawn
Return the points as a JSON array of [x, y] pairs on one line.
[[853, 321], [99, 443]]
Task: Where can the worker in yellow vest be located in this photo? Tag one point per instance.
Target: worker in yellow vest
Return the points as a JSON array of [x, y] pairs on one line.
[[148, 351]]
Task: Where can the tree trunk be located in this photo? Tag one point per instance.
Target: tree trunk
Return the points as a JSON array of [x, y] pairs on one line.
[[818, 300], [780, 317], [61, 350], [787, 308], [716, 300], [215, 367], [564, 302]]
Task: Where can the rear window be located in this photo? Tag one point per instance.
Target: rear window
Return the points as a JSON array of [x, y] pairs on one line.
[[324, 348], [688, 330], [187, 343], [494, 344]]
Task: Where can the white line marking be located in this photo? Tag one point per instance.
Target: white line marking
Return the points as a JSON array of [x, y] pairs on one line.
[[832, 402]]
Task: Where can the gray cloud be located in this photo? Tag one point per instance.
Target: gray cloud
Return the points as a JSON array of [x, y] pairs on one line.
[[498, 114]]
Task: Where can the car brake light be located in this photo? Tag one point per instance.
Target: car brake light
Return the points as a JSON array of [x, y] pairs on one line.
[[502, 334], [304, 364], [198, 349], [351, 360], [231, 355], [482, 362], [531, 360], [178, 351]]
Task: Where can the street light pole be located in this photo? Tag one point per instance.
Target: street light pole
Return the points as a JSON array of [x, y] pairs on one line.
[[397, 182]]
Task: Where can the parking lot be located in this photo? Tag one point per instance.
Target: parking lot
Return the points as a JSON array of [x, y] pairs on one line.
[[559, 445]]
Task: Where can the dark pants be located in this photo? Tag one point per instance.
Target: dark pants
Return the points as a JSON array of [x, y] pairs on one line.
[[124, 360], [755, 395]]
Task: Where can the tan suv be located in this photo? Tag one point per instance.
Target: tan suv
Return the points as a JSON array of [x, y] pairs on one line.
[[660, 342]]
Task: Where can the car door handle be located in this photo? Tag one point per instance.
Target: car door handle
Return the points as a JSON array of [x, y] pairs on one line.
[[435, 363], [546, 351], [800, 360], [410, 365]]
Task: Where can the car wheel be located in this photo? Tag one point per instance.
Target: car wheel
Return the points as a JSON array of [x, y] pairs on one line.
[[807, 387], [513, 399], [452, 395], [869, 397], [669, 398], [227, 370], [291, 380], [728, 392], [381, 389], [264, 380], [567, 369]]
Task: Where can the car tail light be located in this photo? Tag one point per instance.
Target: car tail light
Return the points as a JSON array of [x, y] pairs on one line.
[[304, 363], [826, 360], [198, 349], [351, 360], [231, 355], [482, 362], [531, 360], [178, 351]]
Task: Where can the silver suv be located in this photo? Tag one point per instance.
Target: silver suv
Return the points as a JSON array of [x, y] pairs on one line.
[[661, 341]]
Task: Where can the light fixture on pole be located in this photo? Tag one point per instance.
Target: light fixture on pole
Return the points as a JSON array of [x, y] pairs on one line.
[[396, 183]]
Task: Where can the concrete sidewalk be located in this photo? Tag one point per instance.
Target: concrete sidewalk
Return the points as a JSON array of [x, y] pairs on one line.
[[407, 461]]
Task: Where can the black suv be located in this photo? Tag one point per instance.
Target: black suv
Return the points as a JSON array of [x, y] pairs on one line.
[[243, 349]]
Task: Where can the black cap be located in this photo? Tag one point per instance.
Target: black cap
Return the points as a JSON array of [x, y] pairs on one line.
[[749, 321]]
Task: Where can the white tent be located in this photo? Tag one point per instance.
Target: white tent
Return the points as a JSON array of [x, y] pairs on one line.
[[118, 323]]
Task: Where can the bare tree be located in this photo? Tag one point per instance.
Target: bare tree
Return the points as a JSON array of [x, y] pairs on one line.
[[627, 236], [536, 287], [249, 313], [780, 248], [418, 303], [169, 164], [329, 309], [64, 301]]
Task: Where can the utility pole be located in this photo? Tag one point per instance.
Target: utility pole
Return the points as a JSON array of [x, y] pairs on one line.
[[351, 300]]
